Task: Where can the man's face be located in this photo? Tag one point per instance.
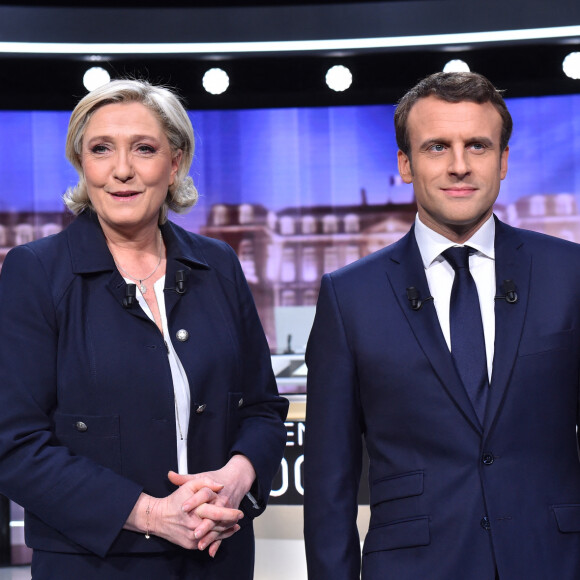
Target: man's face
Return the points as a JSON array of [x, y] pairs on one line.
[[455, 164]]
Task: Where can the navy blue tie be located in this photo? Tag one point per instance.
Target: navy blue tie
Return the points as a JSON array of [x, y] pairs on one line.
[[467, 339]]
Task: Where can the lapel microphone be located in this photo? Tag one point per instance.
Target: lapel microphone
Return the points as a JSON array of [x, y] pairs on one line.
[[180, 281], [413, 297], [510, 295], [130, 294]]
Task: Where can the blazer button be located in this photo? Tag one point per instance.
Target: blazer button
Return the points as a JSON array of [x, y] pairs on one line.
[[487, 458], [240, 402], [81, 426], [182, 335], [200, 409], [485, 523]]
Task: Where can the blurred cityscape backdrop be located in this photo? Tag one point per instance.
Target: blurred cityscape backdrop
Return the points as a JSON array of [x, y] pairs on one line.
[[298, 192]]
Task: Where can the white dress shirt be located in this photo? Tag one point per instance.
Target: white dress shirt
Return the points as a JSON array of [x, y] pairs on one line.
[[440, 277], [181, 390]]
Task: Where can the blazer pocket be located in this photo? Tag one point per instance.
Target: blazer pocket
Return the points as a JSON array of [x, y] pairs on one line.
[[544, 343], [408, 533], [94, 436], [396, 487], [567, 517]]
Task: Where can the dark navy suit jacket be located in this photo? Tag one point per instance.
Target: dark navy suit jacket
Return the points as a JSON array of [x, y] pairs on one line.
[[70, 352], [451, 499]]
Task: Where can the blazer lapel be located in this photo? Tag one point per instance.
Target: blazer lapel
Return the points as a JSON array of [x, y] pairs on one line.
[[184, 263], [512, 262], [405, 269], [90, 255]]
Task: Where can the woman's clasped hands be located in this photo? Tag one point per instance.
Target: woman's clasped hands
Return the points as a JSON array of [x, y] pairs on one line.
[[187, 517]]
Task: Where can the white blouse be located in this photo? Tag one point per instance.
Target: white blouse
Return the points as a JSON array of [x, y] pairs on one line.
[[181, 390]]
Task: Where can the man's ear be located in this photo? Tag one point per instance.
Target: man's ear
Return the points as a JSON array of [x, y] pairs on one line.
[[504, 162], [405, 169]]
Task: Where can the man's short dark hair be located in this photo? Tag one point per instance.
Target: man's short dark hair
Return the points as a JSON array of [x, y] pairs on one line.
[[453, 87]]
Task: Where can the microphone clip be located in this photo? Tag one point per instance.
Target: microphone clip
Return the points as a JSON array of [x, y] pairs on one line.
[[130, 294], [180, 282], [510, 295], [414, 298]]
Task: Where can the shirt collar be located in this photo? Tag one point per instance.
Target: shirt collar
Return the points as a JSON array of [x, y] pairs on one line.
[[89, 251], [431, 244]]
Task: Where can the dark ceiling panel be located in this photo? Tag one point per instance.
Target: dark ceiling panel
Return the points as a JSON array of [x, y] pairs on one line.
[[279, 22], [48, 83], [281, 80], [178, 3]]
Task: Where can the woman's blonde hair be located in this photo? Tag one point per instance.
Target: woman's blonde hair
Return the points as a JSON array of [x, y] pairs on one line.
[[166, 106]]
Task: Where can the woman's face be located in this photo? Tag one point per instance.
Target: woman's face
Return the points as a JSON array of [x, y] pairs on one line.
[[128, 166]]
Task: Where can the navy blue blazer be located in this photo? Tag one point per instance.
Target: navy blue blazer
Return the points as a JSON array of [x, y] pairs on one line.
[[70, 351], [449, 498]]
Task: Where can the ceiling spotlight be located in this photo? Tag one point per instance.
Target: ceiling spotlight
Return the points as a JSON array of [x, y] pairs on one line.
[[571, 65], [456, 65], [95, 77], [338, 78], [216, 81]]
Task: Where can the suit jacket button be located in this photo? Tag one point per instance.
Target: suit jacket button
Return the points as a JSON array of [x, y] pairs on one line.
[[81, 426], [485, 523], [241, 402], [487, 458], [182, 335], [200, 408]]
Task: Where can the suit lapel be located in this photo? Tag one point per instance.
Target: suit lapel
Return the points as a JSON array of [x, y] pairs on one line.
[[181, 258], [512, 262], [90, 255], [405, 269]]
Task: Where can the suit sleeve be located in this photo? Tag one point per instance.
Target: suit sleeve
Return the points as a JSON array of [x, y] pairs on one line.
[[333, 446], [261, 436], [78, 498]]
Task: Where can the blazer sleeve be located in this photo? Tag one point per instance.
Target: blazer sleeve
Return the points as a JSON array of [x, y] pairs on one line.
[[333, 446], [261, 435], [78, 498]]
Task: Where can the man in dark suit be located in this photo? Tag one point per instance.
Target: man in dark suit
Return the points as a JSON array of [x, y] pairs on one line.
[[454, 355]]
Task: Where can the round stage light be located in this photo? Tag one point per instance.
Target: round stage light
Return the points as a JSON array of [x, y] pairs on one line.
[[95, 77], [338, 78], [216, 81], [456, 65], [571, 65]]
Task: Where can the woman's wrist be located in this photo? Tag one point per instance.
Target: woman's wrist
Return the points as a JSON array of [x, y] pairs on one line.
[[143, 516], [245, 470]]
